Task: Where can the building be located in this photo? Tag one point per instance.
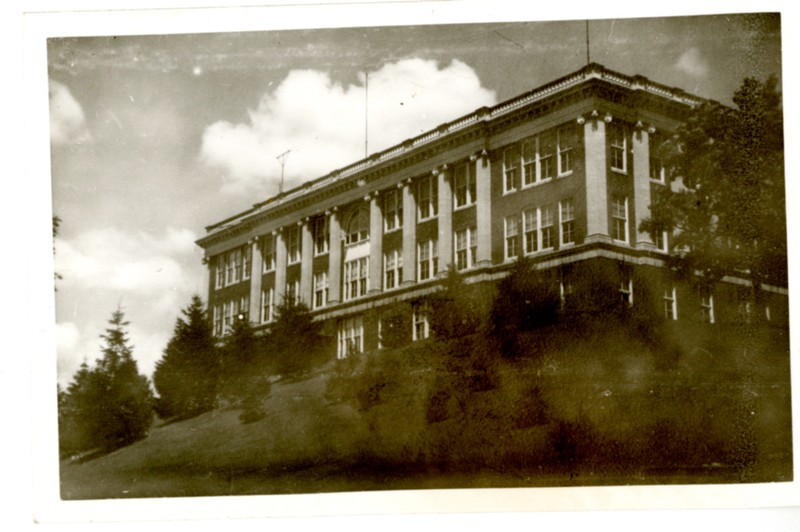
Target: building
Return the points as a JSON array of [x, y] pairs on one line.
[[564, 174]]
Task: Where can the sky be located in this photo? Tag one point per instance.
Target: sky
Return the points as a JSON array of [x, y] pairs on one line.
[[154, 137]]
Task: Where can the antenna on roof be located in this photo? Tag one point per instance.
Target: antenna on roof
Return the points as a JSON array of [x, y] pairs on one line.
[[282, 159], [366, 113], [588, 60]]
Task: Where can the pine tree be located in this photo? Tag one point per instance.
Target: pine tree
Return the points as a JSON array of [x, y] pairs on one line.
[[109, 405], [186, 378], [296, 343]]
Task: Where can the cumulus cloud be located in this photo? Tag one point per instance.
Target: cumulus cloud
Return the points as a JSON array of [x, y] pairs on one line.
[[67, 120], [323, 122], [693, 63], [110, 258]]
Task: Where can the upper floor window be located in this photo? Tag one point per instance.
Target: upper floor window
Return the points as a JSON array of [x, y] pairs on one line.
[[233, 269], [658, 172], [220, 268], [428, 260], [547, 156], [247, 260], [392, 210], [217, 320], [392, 269], [233, 266], [268, 253], [293, 244], [566, 217], [292, 291], [427, 197], [320, 289], [567, 138], [511, 170], [321, 235], [358, 227], [618, 142], [511, 236], [662, 241], [529, 151], [466, 248], [356, 274], [465, 190], [619, 218]]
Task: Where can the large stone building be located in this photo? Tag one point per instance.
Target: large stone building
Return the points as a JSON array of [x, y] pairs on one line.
[[564, 174]]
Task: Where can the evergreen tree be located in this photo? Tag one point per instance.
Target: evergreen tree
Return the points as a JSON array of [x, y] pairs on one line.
[[454, 311], [726, 206], [296, 343], [242, 359], [187, 376], [109, 405]]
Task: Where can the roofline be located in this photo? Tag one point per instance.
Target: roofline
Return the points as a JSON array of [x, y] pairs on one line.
[[588, 72]]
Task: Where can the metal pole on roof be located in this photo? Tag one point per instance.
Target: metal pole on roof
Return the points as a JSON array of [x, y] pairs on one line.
[[282, 159], [588, 60], [366, 114]]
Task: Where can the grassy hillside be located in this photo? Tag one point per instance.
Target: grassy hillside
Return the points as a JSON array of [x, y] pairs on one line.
[[601, 407]]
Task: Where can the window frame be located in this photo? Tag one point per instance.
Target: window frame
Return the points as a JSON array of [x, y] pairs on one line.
[[356, 278], [267, 312], [466, 255], [670, 304], [321, 235], [267, 254], [511, 169], [360, 216], [463, 173], [615, 219], [561, 152], [420, 322], [350, 337], [427, 198], [392, 263], [392, 210], [618, 149], [510, 243], [293, 246], [564, 222], [427, 259]]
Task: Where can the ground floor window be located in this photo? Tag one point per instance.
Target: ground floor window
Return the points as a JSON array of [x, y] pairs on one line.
[[267, 305], [420, 323], [351, 337], [626, 292], [706, 305], [670, 304], [320, 289]]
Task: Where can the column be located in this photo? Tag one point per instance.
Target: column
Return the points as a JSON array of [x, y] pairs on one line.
[[596, 181], [255, 281], [409, 234], [641, 185], [280, 267], [306, 261], [445, 220], [375, 244], [334, 259], [483, 210]]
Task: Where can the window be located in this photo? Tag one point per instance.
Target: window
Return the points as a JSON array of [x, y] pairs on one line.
[[566, 217], [466, 248], [220, 267], [619, 148], [511, 232], [358, 227], [392, 210], [420, 324], [706, 304], [529, 162], [267, 305], [321, 235], [670, 304], [227, 316], [465, 192], [427, 253], [626, 291], [661, 241], [511, 169], [293, 244], [427, 197], [351, 337], [217, 321], [565, 291], [268, 253], [244, 309], [292, 291], [546, 228], [392, 269], [566, 142], [657, 170], [320, 289], [745, 307], [356, 273], [547, 156], [247, 256], [619, 218], [530, 227]]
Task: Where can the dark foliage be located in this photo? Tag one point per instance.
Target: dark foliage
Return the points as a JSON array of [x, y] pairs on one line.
[[296, 343], [110, 405], [454, 309], [242, 358], [186, 378]]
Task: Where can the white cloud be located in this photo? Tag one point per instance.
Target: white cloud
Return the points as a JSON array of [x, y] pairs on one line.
[[67, 121], [137, 262], [692, 63], [323, 122]]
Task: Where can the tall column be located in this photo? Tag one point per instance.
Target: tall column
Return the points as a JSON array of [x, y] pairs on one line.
[[641, 185], [445, 220], [375, 244], [255, 281], [306, 260], [483, 209], [596, 180], [280, 267], [409, 234], [334, 259]]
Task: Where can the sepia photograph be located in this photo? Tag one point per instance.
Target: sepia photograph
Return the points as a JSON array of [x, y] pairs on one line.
[[418, 254]]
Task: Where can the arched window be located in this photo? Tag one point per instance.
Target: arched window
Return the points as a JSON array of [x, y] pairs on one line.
[[358, 227]]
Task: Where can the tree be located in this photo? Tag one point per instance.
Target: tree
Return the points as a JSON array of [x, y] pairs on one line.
[[726, 208], [187, 376], [242, 360], [454, 312], [296, 343], [111, 404]]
